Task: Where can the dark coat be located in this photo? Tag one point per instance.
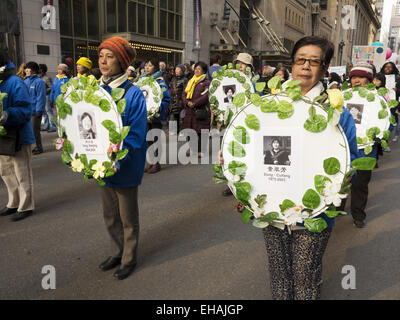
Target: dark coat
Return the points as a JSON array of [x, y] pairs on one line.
[[200, 100]]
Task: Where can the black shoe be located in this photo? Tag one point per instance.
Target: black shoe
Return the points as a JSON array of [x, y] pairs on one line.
[[110, 263], [7, 211], [21, 215], [124, 271], [227, 192], [37, 151], [359, 223]]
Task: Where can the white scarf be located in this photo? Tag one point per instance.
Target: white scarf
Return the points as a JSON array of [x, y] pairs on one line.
[[116, 82]]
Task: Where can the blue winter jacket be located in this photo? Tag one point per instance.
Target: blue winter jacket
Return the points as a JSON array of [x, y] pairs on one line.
[[17, 104], [56, 87], [131, 169], [164, 102], [347, 123], [37, 92]]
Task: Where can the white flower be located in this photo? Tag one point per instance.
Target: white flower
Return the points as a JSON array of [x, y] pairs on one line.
[[77, 165], [331, 193], [294, 215], [2, 69], [220, 117], [258, 213], [99, 170]]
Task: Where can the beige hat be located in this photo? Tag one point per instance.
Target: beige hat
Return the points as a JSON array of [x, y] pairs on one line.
[[245, 58]]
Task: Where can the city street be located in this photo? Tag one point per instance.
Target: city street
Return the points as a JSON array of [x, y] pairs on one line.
[[193, 244]]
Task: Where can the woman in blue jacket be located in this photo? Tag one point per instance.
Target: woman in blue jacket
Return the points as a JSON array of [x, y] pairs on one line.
[[16, 171], [152, 70], [37, 92], [119, 195], [60, 79]]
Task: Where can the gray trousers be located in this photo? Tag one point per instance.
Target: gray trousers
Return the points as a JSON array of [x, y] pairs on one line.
[[295, 262], [121, 216]]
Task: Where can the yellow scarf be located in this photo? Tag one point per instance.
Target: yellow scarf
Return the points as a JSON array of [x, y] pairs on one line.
[[191, 84], [61, 77]]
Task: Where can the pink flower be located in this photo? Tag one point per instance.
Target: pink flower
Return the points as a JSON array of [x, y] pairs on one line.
[[114, 148], [59, 143]]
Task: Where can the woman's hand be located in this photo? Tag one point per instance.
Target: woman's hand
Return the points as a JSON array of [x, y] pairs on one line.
[[190, 104]]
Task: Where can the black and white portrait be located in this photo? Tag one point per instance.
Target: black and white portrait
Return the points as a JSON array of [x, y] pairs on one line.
[[277, 150], [229, 93], [87, 126], [145, 93], [356, 111]]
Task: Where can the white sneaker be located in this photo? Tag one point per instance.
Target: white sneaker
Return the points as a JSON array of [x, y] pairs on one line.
[[395, 138]]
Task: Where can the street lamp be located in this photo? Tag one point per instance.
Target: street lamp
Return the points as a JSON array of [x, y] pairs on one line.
[[341, 45]]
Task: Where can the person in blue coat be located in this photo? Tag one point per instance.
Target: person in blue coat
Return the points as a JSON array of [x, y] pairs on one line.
[[16, 171], [37, 92], [60, 79], [120, 194], [152, 70]]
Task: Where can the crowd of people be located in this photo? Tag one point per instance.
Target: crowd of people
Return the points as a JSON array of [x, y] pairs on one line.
[[295, 257]]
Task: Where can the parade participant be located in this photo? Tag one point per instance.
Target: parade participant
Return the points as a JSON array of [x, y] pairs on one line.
[[48, 123], [131, 73], [195, 100], [360, 75], [120, 194], [295, 254], [83, 67], [37, 92], [21, 71], [96, 73], [215, 65], [282, 73], [266, 75], [177, 85], [152, 69], [334, 81], [60, 79], [16, 170], [245, 60], [188, 71]]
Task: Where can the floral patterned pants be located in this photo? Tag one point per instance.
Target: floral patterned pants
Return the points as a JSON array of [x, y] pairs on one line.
[[295, 262]]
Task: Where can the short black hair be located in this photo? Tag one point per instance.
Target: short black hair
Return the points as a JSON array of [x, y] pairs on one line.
[[43, 68], [4, 60], [335, 77], [326, 46], [33, 66], [217, 58], [203, 65], [155, 62], [381, 76]]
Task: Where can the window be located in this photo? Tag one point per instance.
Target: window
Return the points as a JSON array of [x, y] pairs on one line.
[[111, 16], [65, 17], [93, 19], [121, 15], [79, 10], [141, 18], [171, 19], [132, 10]]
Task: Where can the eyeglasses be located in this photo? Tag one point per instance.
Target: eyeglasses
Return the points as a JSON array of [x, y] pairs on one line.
[[312, 62]]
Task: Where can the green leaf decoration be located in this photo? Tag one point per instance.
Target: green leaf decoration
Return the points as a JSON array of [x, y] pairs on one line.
[[95, 100], [125, 132], [270, 217], [384, 144], [241, 135], [370, 86], [286, 204], [255, 99], [84, 81], [219, 179], [231, 114], [373, 132], [368, 150], [217, 168], [383, 104], [269, 106], [260, 86], [311, 199], [383, 114], [236, 150], [348, 95], [334, 214], [75, 83], [122, 154], [392, 120], [84, 160], [105, 105], [237, 168], [117, 93], [64, 88], [100, 182], [382, 91], [87, 97], [67, 146], [67, 108], [285, 109], [370, 97], [75, 97], [360, 140], [366, 163], [274, 83], [246, 216], [59, 100], [65, 157], [345, 85], [214, 74], [246, 86], [386, 134], [243, 190], [319, 182], [252, 122], [109, 125], [114, 136], [362, 92], [392, 103], [239, 100], [315, 225], [316, 124], [331, 166], [121, 105], [3, 131], [258, 224], [293, 83], [294, 93], [261, 200]]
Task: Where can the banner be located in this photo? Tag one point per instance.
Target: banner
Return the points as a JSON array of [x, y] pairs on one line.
[[373, 55], [340, 70]]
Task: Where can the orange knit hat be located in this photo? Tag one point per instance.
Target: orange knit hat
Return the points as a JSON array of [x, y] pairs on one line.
[[121, 48]]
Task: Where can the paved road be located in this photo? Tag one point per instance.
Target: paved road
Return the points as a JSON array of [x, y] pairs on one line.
[[192, 244]]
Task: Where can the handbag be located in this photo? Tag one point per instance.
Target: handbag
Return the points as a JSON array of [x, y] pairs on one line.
[[201, 114], [10, 143]]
